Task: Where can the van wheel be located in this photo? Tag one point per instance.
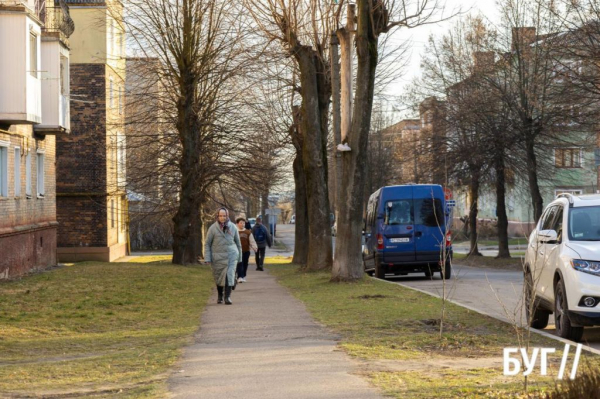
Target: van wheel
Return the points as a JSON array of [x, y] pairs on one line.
[[379, 272], [536, 316], [447, 272], [564, 328], [428, 273]]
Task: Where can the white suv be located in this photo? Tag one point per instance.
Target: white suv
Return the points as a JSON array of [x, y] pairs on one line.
[[562, 266]]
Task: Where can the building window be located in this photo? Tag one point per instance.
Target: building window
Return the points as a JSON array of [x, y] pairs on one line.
[[123, 213], [28, 175], [33, 55], [40, 175], [3, 170], [112, 213], [17, 171], [567, 157], [561, 191], [64, 76]]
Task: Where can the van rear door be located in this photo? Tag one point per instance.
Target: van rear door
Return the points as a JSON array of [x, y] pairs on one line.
[[430, 225], [397, 226]]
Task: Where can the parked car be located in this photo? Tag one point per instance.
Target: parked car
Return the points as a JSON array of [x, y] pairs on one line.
[[293, 219], [405, 231], [252, 221], [562, 266]]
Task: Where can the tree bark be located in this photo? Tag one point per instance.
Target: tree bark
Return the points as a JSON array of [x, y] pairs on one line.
[[336, 120], [503, 250], [301, 227], [534, 189], [348, 262], [474, 192], [185, 251], [315, 91]]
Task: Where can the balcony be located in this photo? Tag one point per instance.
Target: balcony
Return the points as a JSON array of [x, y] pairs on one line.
[[56, 19], [55, 89], [20, 77]]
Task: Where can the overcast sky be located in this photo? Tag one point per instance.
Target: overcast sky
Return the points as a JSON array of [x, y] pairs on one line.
[[419, 36]]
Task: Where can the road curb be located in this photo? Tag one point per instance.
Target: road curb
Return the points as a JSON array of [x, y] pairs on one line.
[[542, 333]]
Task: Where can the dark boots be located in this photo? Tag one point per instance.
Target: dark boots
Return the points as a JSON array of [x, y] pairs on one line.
[[220, 291], [228, 295]]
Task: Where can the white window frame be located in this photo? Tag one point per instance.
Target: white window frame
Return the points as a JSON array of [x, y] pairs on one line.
[[28, 174], [40, 171], [4, 145], [112, 213], [17, 171], [33, 54], [568, 191]]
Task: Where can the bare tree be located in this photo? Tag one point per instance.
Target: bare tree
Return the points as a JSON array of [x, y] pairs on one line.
[[198, 122], [302, 28]]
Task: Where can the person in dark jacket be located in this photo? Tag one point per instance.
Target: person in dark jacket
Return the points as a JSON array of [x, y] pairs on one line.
[[262, 238], [248, 243]]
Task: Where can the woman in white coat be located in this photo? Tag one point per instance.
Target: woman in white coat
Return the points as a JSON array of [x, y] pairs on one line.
[[223, 250]]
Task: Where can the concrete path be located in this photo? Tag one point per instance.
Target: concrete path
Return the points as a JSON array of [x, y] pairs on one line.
[[264, 346]]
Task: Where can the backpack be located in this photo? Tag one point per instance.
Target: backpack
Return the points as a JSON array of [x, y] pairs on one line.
[[260, 234]]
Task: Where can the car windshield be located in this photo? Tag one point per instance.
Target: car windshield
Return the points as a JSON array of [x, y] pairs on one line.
[[398, 212], [584, 223]]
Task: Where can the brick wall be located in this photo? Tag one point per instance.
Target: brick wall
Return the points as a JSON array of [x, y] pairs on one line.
[[28, 225], [82, 162]]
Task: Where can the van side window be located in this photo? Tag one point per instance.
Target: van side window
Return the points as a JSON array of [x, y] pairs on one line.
[[429, 212], [398, 212]]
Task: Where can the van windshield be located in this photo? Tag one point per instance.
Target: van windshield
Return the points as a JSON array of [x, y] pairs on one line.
[[398, 212], [584, 223]]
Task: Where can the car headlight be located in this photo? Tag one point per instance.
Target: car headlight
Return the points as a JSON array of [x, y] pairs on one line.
[[586, 266]]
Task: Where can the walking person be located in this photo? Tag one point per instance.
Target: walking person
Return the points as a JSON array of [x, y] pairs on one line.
[[248, 243], [262, 238], [223, 250]]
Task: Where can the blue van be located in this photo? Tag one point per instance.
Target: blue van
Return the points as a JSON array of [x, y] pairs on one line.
[[405, 231]]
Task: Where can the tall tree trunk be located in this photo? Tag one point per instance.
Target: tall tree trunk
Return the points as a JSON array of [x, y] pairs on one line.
[[499, 163], [474, 193], [185, 220], [314, 157], [532, 175], [301, 226], [195, 248], [348, 262]]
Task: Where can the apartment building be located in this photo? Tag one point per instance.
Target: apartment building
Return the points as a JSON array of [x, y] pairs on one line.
[[34, 112], [91, 198]]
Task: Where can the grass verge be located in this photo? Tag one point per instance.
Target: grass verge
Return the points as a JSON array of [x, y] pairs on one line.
[[514, 263], [394, 331], [98, 328]]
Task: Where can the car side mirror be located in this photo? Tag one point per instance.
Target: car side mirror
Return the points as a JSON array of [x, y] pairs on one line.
[[547, 236]]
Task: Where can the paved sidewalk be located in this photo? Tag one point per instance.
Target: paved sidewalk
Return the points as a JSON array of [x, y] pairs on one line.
[[264, 346]]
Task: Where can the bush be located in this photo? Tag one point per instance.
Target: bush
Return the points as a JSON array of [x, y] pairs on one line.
[[585, 385]]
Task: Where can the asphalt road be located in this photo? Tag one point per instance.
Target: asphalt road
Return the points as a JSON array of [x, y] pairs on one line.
[[494, 292]]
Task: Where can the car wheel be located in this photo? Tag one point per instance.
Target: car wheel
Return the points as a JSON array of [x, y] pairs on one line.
[[447, 272], [564, 328], [536, 317], [379, 272]]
